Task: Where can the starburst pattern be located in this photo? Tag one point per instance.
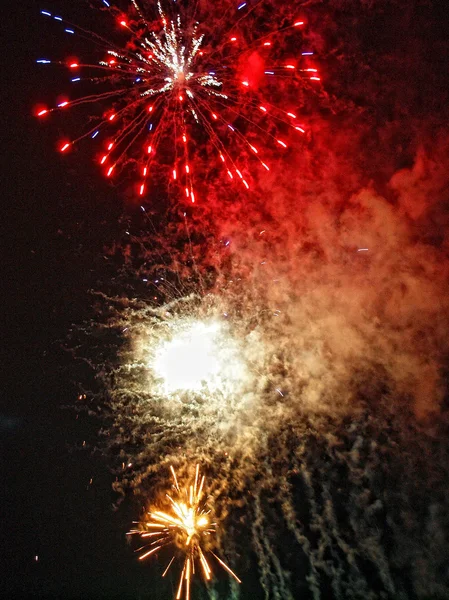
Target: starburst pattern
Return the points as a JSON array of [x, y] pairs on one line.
[[189, 89], [185, 526]]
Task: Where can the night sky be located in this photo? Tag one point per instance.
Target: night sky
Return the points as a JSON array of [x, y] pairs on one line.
[[379, 124]]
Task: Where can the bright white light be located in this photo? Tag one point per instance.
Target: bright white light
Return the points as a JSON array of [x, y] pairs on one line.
[[200, 356]]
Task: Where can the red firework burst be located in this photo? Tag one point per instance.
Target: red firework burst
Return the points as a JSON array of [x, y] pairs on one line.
[[190, 87]]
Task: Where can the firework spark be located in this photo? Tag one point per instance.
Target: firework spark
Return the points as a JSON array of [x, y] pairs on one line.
[[186, 525], [181, 91]]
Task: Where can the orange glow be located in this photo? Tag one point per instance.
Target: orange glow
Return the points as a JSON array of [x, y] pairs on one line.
[[185, 524]]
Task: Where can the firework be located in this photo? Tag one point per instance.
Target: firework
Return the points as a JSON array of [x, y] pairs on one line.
[[199, 355], [186, 90], [185, 526], [311, 445]]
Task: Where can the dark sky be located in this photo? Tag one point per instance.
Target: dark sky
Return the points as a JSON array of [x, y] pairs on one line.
[[58, 216], [56, 223]]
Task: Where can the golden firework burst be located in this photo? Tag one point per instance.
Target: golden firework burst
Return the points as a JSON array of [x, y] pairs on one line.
[[186, 525]]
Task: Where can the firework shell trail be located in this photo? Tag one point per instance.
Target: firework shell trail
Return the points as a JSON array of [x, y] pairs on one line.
[[186, 93]]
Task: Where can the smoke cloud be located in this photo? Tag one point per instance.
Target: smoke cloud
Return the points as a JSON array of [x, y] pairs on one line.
[[330, 457]]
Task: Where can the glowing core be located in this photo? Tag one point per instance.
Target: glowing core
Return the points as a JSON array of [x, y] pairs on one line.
[[199, 356]]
